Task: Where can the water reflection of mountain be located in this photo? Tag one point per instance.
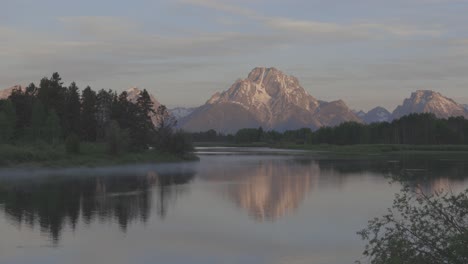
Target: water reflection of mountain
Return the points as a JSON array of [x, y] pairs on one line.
[[269, 188], [51, 203]]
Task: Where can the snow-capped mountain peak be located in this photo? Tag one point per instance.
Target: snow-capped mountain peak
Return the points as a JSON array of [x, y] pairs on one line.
[[427, 101], [267, 98]]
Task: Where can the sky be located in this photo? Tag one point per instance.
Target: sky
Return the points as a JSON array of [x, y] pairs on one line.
[[365, 52]]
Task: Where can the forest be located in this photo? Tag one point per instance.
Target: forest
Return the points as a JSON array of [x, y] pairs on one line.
[[55, 115], [413, 129]]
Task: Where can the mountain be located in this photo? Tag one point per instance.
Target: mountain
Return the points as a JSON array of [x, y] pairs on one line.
[[267, 98], [377, 114], [180, 112], [466, 107], [426, 101], [5, 93], [134, 93]]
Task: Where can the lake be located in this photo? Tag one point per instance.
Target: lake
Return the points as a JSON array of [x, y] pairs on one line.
[[248, 205]]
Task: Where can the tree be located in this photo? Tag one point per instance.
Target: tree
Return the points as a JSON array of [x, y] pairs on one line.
[[165, 127], [7, 121], [144, 110], [88, 114], [38, 118], [72, 109], [23, 101], [52, 127], [420, 229], [103, 111], [116, 138], [6, 128]]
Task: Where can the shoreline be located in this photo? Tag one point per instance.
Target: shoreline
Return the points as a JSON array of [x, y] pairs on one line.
[[91, 155]]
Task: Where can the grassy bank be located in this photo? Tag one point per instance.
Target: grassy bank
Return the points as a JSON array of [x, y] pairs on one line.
[[91, 155], [373, 149]]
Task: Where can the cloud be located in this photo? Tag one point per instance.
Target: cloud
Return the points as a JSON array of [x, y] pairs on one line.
[[99, 25], [319, 28]]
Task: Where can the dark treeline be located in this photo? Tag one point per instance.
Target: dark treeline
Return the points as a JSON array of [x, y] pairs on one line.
[[54, 113], [415, 129]]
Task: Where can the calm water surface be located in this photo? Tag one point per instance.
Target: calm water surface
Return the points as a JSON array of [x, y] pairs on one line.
[[234, 206]]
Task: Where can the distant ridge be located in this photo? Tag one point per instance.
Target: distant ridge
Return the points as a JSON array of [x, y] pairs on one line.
[[427, 101]]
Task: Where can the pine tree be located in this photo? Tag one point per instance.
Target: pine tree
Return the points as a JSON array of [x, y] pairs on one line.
[[146, 129], [7, 121], [104, 110], [72, 109], [88, 114], [37, 129], [22, 101], [53, 128]]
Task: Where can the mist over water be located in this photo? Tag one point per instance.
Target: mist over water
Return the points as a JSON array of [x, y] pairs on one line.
[[234, 206]]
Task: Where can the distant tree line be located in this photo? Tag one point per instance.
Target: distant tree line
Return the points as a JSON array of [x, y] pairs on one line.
[[54, 113], [416, 129]]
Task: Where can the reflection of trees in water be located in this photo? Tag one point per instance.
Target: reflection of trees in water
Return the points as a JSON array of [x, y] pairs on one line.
[[428, 173], [53, 203]]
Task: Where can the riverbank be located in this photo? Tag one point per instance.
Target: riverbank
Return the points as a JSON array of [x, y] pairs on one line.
[[91, 155], [375, 149]]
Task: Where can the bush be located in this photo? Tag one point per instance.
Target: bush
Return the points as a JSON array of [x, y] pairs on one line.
[[420, 229], [180, 143], [72, 144]]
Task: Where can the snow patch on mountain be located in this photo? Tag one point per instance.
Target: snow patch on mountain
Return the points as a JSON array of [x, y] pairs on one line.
[[427, 101], [181, 112]]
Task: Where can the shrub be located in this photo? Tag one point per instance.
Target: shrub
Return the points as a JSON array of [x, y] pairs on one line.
[[72, 144]]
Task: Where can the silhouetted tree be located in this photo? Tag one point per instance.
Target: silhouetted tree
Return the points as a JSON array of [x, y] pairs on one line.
[[88, 114]]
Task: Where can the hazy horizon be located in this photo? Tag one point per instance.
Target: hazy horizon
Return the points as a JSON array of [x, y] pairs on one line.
[[367, 53]]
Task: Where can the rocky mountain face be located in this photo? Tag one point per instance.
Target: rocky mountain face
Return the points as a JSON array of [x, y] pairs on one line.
[[6, 92], [377, 114], [426, 101], [134, 93], [181, 112], [267, 98]]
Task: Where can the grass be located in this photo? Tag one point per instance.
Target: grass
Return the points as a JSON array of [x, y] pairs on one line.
[[371, 149], [91, 155]]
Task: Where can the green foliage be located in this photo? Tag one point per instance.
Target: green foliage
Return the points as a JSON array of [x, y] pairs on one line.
[[53, 130], [72, 110], [54, 114], [88, 114], [116, 139], [38, 118], [414, 129], [249, 135], [7, 120], [72, 144], [420, 229]]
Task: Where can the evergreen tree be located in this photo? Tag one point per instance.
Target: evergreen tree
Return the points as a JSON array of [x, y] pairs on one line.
[[72, 109], [88, 114], [8, 121], [22, 101], [104, 110], [145, 131], [37, 130], [53, 128], [6, 128]]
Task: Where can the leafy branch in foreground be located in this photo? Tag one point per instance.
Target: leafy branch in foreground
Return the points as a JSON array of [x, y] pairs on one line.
[[420, 229]]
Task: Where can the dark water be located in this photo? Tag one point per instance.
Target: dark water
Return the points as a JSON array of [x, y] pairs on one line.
[[252, 206]]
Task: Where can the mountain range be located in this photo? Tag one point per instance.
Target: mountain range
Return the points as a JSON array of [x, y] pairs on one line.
[[266, 98], [273, 100]]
